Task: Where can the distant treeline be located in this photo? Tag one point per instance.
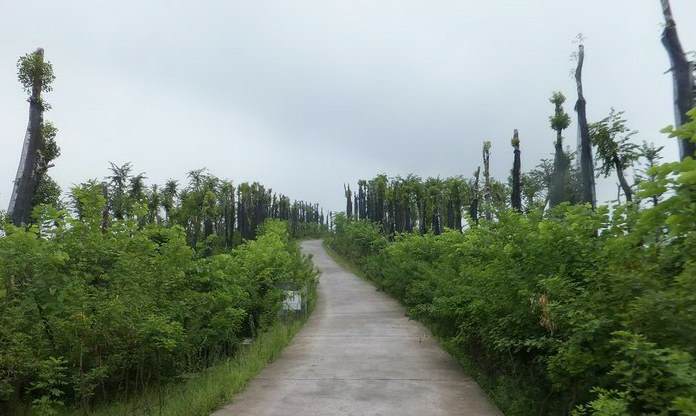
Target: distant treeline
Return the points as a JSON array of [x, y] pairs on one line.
[[215, 213]]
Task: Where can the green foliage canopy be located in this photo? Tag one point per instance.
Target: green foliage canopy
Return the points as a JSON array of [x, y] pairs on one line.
[[31, 68]]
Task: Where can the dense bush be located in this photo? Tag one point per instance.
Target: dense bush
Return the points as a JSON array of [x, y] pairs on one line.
[[590, 312], [87, 311]]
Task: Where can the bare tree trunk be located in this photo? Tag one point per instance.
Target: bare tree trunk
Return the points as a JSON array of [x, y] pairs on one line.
[[450, 214], [586, 164], [437, 228], [421, 216], [458, 214], [26, 179], [473, 207], [516, 200], [622, 180], [232, 218], [618, 194], [682, 77]]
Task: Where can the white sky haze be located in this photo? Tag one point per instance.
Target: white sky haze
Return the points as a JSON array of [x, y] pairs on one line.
[[306, 95]]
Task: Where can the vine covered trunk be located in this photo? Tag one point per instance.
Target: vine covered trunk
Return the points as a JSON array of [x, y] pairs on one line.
[[26, 179], [516, 199]]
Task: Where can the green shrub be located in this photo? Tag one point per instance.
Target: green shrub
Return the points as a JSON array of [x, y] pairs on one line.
[[88, 312], [587, 310]]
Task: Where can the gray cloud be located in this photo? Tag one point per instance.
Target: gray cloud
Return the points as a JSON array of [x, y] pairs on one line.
[[306, 95]]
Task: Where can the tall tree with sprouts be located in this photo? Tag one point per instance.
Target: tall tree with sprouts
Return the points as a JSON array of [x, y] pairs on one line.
[[36, 76], [615, 151], [487, 192], [651, 154], [226, 202], [474, 204], [682, 77], [380, 195], [362, 199], [457, 190], [420, 205], [137, 188], [118, 189], [516, 198], [433, 187], [154, 200], [586, 163], [169, 194], [560, 120], [349, 203]]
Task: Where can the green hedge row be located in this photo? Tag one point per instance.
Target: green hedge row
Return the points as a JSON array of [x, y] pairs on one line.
[[576, 311], [87, 313]]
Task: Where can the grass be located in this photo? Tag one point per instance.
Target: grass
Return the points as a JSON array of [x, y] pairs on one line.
[[206, 391]]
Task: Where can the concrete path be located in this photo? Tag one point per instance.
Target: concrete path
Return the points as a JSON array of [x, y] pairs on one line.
[[359, 355]]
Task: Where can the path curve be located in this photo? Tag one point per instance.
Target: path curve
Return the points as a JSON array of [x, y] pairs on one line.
[[358, 354]]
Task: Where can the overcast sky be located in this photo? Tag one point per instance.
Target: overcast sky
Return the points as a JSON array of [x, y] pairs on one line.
[[306, 95]]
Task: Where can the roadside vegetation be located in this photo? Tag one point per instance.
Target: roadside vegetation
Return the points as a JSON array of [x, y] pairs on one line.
[[568, 310], [89, 314], [200, 393], [557, 305], [122, 296]]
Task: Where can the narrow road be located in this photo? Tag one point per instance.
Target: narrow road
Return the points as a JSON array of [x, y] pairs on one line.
[[359, 355]]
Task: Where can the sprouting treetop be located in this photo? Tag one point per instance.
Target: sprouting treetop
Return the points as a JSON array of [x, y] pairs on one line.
[[33, 72], [560, 120]]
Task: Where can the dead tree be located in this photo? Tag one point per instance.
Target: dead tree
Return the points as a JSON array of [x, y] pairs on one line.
[[516, 199], [559, 121], [682, 77], [586, 164]]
